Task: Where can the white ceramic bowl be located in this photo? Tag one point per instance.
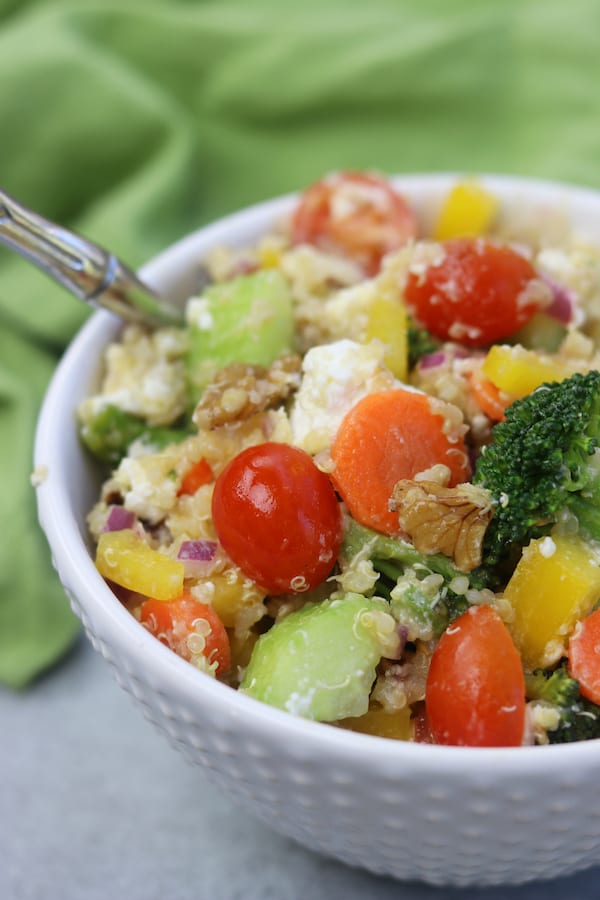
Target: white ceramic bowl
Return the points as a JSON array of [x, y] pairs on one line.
[[443, 815]]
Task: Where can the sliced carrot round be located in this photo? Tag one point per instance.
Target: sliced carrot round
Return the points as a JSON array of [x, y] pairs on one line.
[[190, 628], [386, 437], [488, 397], [584, 656], [199, 474]]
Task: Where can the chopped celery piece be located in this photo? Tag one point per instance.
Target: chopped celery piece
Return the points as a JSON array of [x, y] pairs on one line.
[[248, 319], [319, 662], [542, 332]]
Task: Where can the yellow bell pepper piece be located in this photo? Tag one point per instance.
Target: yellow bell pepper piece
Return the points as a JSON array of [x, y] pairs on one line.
[[234, 594], [395, 725], [518, 371], [387, 322], [469, 209], [123, 557], [555, 583], [269, 257]]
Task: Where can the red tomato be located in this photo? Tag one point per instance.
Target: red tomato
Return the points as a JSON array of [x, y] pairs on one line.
[[475, 294], [356, 214], [475, 692], [584, 656], [278, 518], [188, 627]]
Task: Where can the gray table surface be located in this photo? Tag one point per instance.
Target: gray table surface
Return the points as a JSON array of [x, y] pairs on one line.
[[96, 804]]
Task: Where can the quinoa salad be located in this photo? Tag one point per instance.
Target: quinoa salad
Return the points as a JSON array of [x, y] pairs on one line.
[[361, 483]]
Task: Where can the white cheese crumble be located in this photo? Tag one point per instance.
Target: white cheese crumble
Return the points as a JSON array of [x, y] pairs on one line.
[[198, 314], [144, 376], [335, 377], [547, 547], [147, 485]]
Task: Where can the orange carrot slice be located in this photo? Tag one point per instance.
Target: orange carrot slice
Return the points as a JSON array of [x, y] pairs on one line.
[[190, 628], [584, 656], [385, 437], [198, 475], [488, 397]]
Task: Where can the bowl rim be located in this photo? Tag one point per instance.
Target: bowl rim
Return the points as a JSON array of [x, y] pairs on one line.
[[174, 675]]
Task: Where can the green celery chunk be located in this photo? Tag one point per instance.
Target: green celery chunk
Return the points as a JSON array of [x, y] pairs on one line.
[[248, 319], [542, 332], [319, 662]]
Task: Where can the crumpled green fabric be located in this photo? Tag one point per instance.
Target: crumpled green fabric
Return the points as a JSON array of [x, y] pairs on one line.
[[135, 122]]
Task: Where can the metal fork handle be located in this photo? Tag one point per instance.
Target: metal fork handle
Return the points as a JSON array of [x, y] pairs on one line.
[[82, 267]]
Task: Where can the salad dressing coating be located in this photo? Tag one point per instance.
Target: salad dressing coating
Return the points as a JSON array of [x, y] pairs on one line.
[[348, 487]]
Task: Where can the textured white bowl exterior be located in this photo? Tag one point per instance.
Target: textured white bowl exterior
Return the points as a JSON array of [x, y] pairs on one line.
[[437, 814]]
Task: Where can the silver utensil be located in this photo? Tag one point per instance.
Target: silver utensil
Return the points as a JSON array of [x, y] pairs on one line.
[[82, 267]]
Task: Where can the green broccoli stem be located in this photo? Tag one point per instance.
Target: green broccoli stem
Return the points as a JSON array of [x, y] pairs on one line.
[[419, 602], [387, 568], [586, 508], [386, 549]]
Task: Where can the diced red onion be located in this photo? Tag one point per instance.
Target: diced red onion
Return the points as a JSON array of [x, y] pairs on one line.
[[562, 307], [402, 632], [198, 558], [441, 357], [199, 550], [243, 267], [432, 360], [119, 518]]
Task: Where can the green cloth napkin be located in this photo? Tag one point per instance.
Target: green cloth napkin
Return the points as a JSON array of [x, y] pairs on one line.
[[135, 122]]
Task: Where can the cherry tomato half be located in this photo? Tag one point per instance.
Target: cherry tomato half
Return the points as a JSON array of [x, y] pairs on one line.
[[356, 214], [475, 295], [278, 518], [475, 692], [188, 627]]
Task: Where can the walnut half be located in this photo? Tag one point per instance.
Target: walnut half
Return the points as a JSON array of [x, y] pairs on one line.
[[445, 520], [239, 390]]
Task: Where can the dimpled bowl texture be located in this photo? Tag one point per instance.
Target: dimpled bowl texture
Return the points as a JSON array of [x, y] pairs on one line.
[[442, 815]]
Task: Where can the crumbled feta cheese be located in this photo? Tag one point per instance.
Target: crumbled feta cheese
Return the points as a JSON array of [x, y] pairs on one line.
[[144, 376], [547, 547], [198, 314], [146, 487], [335, 377]]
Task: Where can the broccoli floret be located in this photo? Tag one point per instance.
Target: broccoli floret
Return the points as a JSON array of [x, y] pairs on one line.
[[543, 463], [420, 343], [579, 719], [407, 578], [109, 433], [555, 687]]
